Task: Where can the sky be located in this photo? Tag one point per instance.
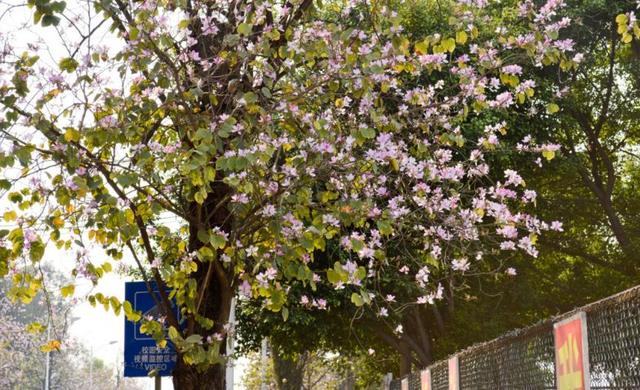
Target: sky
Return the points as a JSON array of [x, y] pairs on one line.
[[102, 332]]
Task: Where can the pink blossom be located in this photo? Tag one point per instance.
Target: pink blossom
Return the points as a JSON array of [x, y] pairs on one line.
[[512, 69], [460, 265]]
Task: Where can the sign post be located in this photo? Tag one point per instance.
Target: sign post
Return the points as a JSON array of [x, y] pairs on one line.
[[572, 353], [141, 353]]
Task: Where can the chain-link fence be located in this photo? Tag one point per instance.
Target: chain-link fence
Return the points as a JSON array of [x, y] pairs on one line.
[[526, 359]]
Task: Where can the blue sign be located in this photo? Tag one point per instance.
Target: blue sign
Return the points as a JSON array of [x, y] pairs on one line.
[[141, 354]]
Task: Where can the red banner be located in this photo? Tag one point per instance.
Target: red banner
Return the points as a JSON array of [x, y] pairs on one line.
[[572, 353]]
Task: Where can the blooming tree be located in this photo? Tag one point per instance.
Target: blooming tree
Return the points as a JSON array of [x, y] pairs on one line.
[[223, 144], [23, 339], [16, 349]]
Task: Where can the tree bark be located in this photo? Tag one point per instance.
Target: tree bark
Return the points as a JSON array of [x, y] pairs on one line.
[[187, 377], [427, 353], [405, 359], [289, 372], [215, 289]]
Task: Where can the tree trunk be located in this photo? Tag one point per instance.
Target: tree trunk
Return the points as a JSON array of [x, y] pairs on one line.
[[289, 372], [189, 378], [215, 285], [217, 306], [405, 359]]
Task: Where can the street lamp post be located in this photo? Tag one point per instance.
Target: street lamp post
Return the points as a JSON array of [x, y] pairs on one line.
[[47, 362], [263, 369]]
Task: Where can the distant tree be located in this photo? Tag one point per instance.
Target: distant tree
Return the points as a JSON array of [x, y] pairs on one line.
[[24, 345], [22, 361], [257, 373], [306, 371]]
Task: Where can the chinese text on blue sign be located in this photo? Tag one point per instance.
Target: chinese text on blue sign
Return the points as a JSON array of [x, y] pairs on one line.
[[141, 354]]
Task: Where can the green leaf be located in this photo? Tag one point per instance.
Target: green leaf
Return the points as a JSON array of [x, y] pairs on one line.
[[327, 196], [368, 132], [133, 33], [35, 327], [68, 290], [58, 6], [37, 16], [71, 135], [357, 299], [361, 273], [14, 197], [422, 47], [278, 299], [622, 19], [203, 236], [245, 28], [68, 64], [342, 274], [449, 45], [205, 253], [203, 135], [24, 155], [194, 339], [36, 252], [217, 241], [115, 305], [5, 184], [53, 345], [174, 335], [130, 313], [333, 276], [199, 197], [384, 227], [126, 180], [250, 97], [461, 37], [4, 267], [50, 20], [366, 298]]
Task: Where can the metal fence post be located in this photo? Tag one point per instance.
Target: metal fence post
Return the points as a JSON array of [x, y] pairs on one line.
[[454, 373], [386, 381], [425, 379]]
